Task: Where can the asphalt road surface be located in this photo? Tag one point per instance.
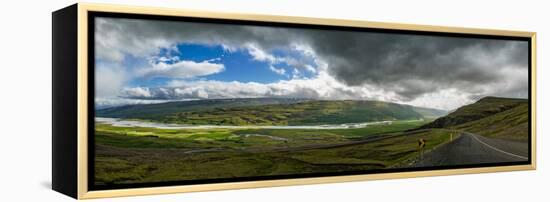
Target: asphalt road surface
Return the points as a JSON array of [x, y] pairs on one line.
[[470, 148]]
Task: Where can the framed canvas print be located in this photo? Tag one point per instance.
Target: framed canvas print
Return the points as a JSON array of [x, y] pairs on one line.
[[151, 100]]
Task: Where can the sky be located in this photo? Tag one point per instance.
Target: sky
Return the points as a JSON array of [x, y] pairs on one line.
[[149, 61]]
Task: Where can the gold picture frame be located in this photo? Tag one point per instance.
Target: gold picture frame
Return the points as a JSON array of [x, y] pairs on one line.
[[78, 187]]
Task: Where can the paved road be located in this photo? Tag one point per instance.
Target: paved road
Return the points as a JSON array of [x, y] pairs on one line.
[[470, 148]]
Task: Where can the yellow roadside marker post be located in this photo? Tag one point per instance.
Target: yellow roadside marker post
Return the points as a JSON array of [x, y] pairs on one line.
[[421, 145]]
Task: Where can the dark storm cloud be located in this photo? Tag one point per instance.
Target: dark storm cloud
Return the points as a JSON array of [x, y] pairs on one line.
[[408, 65], [145, 37], [414, 65]]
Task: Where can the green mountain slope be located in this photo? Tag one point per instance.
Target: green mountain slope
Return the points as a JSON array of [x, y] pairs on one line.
[[157, 111], [491, 116], [265, 112], [429, 112], [509, 124]]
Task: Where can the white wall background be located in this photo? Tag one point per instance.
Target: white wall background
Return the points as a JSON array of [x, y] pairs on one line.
[[25, 104]]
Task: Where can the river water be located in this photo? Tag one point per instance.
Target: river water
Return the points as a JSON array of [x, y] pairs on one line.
[[134, 123]]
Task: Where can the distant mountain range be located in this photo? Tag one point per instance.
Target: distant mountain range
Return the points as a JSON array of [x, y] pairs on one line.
[[490, 116], [270, 111], [506, 118]]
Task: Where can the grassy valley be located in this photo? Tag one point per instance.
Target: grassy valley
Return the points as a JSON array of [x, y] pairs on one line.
[[147, 154], [157, 111], [137, 155], [270, 112], [504, 118], [126, 155]]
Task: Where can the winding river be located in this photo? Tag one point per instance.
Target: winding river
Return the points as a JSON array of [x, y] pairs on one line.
[[135, 123]]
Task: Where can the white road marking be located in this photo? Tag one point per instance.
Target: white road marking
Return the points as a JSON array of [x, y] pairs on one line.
[[496, 149]]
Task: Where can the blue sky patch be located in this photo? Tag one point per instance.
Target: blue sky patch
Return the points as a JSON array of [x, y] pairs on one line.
[[239, 64]]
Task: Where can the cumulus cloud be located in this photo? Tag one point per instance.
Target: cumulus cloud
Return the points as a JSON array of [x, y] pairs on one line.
[[109, 79], [259, 54], [182, 69], [279, 71], [417, 69], [102, 103], [323, 86]]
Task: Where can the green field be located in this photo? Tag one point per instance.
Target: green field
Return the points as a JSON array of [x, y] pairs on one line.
[[239, 112], [126, 155], [504, 118], [137, 154]]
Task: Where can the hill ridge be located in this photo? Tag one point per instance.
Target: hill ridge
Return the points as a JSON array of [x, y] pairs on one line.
[[270, 112], [489, 116]]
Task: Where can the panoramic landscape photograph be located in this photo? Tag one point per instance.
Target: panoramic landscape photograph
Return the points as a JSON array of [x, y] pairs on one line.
[[182, 101]]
